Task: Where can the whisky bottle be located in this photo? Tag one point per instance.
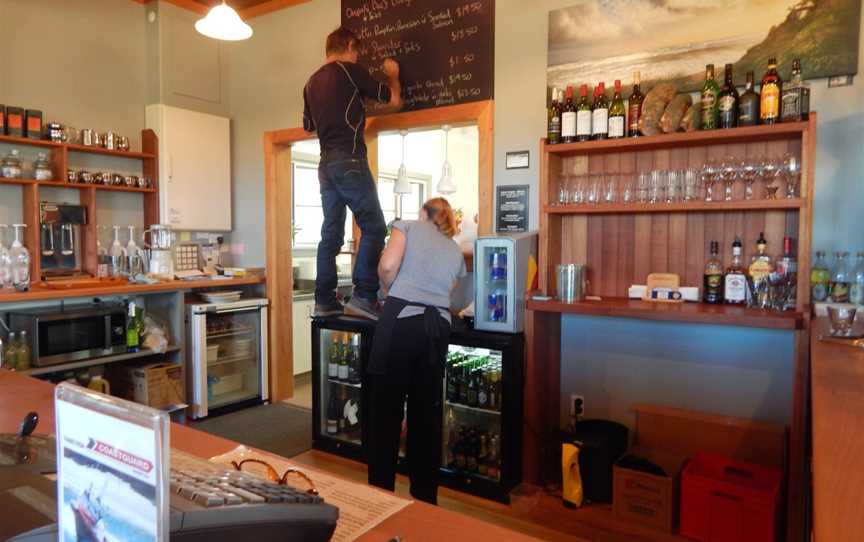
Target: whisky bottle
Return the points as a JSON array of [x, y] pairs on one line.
[[761, 266], [553, 135], [728, 100], [709, 103], [634, 107], [748, 104], [713, 283], [769, 94], [735, 279], [795, 105]]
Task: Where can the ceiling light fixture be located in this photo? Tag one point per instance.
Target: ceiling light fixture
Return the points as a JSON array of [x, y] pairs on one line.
[[446, 184], [402, 186], [223, 23]]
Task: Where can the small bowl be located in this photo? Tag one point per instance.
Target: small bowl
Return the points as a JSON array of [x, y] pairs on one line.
[[842, 318]]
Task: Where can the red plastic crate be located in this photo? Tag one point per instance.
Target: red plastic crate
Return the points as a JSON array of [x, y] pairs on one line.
[[723, 500]]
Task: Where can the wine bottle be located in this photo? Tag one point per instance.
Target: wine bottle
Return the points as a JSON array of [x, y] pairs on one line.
[[583, 115], [600, 113], [568, 118], [634, 104], [617, 114], [709, 104], [748, 104], [334, 411], [553, 135], [728, 106], [769, 94]]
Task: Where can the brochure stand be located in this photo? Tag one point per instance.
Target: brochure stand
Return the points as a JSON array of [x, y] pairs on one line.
[[112, 468]]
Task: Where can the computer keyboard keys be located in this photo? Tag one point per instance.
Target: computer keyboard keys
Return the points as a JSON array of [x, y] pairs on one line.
[[208, 499]]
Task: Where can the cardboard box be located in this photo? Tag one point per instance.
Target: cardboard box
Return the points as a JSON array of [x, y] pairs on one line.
[[648, 499], [157, 385]]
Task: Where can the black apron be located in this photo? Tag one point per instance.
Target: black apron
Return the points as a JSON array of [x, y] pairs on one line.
[[436, 326]]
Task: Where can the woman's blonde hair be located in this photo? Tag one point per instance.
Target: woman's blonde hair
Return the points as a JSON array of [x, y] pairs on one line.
[[441, 214]]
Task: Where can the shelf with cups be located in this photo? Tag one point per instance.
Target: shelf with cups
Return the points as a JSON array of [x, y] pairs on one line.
[[79, 186], [74, 147], [675, 207]]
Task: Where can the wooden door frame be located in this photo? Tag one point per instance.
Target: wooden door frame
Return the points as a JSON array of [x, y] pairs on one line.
[[278, 208]]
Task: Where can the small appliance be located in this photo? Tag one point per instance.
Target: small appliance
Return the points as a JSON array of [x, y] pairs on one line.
[[161, 246], [60, 250]]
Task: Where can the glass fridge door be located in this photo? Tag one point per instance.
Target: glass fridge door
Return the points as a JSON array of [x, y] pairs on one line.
[[494, 276], [473, 390], [233, 357], [340, 385]]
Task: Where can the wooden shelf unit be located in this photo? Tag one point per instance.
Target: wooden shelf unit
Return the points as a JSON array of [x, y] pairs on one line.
[[621, 244], [31, 196]]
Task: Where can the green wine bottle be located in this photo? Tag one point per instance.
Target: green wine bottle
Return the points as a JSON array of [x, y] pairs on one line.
[[710, 101]]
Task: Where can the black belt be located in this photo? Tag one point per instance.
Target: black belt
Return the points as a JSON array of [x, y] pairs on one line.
[[435, 325]]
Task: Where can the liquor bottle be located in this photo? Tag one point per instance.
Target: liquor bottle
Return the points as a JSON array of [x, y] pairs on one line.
[[355, 368], [769, 94], [452, 382], [748, 104], [600, 113], [342, 370], [583, 115], [735, 279], [10, 354], [634, 105], [334, 412], [333, 358], [483, 389], [568, 118], [761, 266], [728, 100], [462, 384], [553, 120], [787, 267], [839, 291], [820, 278], [713, 283], [617, 114], [473, 385], [452, 435], [482, 453], [471, 459], [795, 104], [709, 100], [24, 361], [493, 459], [494, 397], [856, 288], [342, 424]]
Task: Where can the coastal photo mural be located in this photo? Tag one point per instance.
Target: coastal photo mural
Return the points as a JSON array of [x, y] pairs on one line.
[[673, 40]]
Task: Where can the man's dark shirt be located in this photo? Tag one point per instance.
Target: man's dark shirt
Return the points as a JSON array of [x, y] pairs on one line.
[[334, 106]]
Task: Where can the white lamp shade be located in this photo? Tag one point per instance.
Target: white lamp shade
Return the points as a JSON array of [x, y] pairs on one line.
[[402, 186], [223, 23], [446, 185]]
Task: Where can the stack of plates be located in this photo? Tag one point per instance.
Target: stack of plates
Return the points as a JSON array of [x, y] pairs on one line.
[[222, 297]]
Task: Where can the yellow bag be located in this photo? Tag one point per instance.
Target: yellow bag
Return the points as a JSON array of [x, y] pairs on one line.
[[572, 493]]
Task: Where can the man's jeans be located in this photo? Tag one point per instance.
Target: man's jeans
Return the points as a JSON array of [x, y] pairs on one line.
[[348, 181]]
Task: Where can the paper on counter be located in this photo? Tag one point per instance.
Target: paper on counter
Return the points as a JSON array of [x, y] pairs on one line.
[[361, 507]]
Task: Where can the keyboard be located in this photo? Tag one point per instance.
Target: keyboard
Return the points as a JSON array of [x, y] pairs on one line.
[[211, 503]]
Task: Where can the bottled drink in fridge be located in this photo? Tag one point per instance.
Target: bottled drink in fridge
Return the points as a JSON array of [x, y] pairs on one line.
[[354, 361], [856, 288], [498, 305], [498, 265], [333, 358], [820, 278], [839, 290], [342, 370], [334, 411]]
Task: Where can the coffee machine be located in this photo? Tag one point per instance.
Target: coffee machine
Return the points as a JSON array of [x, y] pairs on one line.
[[60, 247]]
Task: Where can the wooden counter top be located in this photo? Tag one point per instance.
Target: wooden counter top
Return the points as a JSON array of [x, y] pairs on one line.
[[417, 522], [838, 437], [41, 293]]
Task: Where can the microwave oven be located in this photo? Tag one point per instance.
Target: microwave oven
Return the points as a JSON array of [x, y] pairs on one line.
[[72, 334]]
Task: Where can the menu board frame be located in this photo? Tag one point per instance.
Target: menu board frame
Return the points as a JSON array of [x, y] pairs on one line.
[[512, 208]]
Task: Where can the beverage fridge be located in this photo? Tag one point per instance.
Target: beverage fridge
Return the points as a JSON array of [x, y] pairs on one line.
[[481, 449], [500, 276], [228, 364]]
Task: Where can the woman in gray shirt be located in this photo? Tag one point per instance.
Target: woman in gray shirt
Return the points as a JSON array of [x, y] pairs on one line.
[[419, 268]]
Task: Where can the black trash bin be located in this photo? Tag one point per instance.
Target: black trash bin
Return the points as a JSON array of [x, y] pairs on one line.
[[601, 443]]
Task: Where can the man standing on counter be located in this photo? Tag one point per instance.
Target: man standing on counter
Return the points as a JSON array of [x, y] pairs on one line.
[[334, 107]]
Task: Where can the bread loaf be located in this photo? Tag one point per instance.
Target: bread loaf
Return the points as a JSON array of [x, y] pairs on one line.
[[674, 112], [653, 107], [690, 119]]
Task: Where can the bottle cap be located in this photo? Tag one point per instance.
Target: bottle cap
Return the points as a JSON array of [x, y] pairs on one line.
[[583, 90], [602, 86], [617, 85], [772, 61], [637, 76]]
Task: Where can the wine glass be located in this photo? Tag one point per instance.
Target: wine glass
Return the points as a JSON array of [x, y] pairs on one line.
[[610, 192], [710, 173], [643, 184], [749, 172], [691, 184], [792, 171], [658, 187], [563, 194], [628, 194], [770, 170], [729, 174], [673, 186], [594, 188]]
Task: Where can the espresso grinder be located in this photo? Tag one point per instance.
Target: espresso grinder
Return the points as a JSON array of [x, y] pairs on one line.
[[60, 249]]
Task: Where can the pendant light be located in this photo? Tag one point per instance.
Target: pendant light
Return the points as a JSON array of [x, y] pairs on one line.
[[446, 184], [223, 23], [402, 185]]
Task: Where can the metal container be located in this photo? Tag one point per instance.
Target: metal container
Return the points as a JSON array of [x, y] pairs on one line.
[[122, 143], [90, 138], [571, 282], [109, 140]]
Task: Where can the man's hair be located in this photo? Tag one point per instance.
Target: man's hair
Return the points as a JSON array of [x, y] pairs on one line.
[[340, 40]]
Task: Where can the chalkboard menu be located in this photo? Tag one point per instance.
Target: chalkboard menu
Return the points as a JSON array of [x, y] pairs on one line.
[[444, 48]]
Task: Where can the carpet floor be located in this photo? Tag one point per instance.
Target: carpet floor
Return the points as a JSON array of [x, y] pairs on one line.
[[280, 428]]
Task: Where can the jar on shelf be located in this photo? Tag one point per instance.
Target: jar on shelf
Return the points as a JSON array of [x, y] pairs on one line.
[[42, 170], [10, 168]]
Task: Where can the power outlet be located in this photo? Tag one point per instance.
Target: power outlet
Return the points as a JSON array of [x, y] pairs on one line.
[[577, 406]]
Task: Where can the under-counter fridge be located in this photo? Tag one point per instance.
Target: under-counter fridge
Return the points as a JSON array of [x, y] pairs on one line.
[[228, 365], [501, 272], [481, 449]]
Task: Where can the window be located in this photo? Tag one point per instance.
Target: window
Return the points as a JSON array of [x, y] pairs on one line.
[[308, 215], [411, 203]]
